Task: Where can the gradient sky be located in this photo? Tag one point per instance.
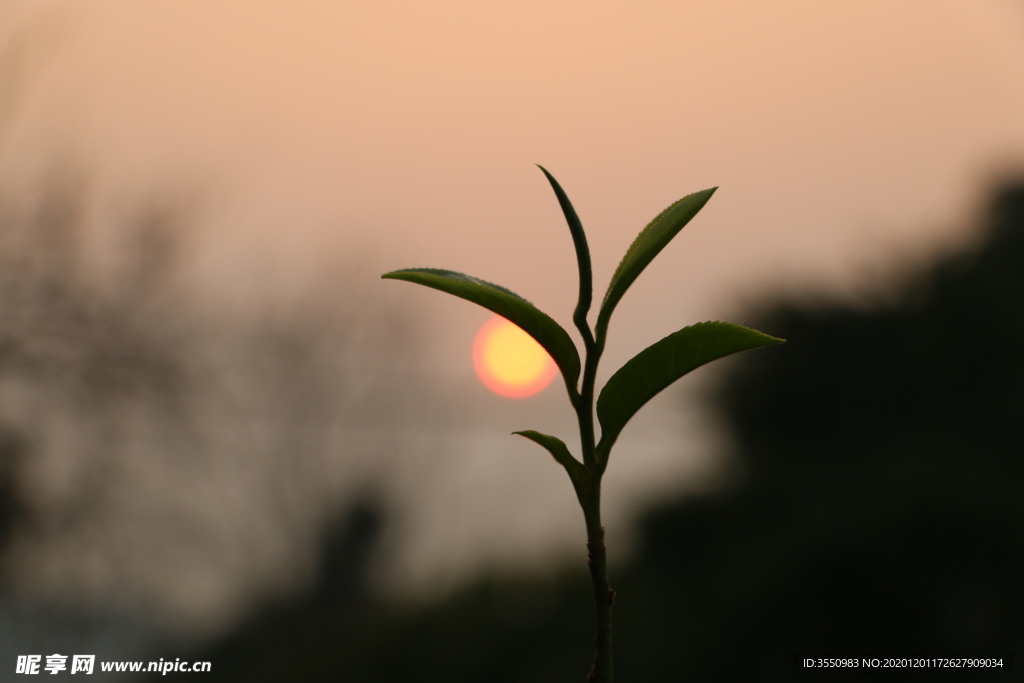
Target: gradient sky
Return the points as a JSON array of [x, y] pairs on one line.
[[847, 139], [840, 134]]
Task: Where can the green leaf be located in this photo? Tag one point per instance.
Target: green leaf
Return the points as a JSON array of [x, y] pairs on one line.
[[536, 323], [578, 473], [579, 241], [661, 364], [651, 240]]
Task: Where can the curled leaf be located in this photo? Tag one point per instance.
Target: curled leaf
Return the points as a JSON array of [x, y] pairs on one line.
[[579, 241]]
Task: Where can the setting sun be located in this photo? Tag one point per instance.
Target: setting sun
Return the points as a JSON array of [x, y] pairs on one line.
[[509, 362]]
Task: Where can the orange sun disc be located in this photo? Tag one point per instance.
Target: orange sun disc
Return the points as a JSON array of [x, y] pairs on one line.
[[510, 362]]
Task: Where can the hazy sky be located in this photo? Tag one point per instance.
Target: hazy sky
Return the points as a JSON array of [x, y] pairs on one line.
[[839, 133], [846, 137]]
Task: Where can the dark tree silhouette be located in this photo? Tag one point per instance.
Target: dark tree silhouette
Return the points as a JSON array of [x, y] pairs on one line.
[[879, 510]]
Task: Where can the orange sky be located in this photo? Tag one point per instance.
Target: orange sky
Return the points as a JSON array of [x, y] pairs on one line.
[[844, 137], [836, 135]]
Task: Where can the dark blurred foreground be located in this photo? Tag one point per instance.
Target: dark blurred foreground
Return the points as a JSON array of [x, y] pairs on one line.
[[877, 511]]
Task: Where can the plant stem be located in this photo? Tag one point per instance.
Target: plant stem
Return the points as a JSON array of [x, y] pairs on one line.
[[597, 554], [604, 596]]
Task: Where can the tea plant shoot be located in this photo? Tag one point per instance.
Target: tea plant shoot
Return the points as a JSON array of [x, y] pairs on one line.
[[511, 367]]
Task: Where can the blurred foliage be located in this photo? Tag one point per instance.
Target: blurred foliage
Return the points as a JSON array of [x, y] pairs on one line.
[[877, 511], [164, 454]]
